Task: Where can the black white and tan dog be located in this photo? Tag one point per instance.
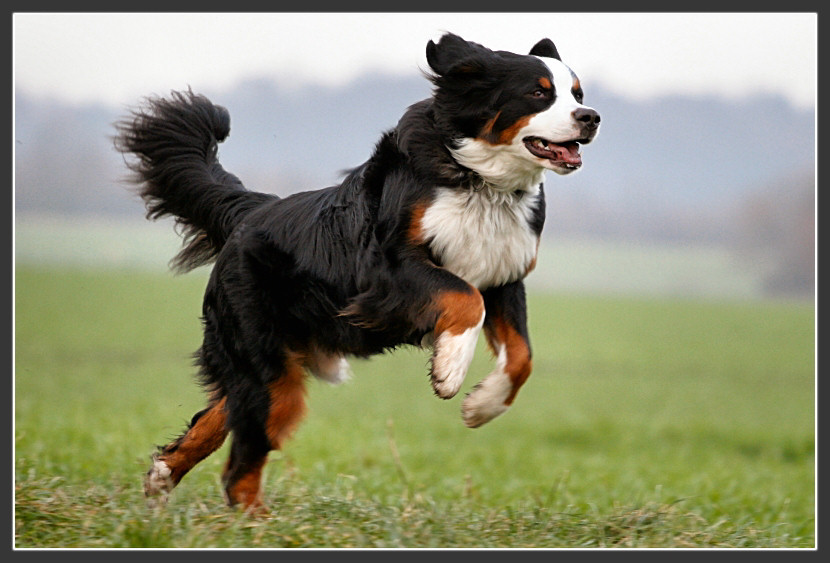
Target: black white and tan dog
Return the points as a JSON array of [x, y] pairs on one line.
[[426, 244]]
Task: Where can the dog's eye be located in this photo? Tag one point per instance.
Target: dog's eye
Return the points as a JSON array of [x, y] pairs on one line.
[[578, 95], [540, 93]]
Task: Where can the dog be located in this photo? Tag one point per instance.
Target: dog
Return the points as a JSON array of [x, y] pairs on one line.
[[425, 244]]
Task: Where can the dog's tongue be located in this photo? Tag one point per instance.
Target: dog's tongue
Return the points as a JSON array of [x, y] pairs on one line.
[[567, 153]]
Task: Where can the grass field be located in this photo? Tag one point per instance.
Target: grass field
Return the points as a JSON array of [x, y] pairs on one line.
[[646, 423]]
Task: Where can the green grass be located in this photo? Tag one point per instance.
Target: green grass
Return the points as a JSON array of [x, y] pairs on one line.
[[646, 423]]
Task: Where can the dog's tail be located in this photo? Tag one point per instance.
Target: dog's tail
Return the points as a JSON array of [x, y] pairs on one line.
[[175, 141]]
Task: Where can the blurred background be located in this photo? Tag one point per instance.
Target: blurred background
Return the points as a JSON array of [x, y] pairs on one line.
[[701, 182]]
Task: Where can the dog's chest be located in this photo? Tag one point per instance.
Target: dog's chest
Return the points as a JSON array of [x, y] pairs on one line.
[[484, 237]]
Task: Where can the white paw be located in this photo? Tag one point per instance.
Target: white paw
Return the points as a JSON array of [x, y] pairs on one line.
[[158, 481], [333, 369], [451, 358], [486, 401]]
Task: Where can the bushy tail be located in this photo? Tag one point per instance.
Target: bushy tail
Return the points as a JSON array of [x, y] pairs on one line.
[[175, 141]]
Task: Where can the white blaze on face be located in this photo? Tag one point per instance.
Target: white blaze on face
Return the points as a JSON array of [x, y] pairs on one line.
[[556, 123]]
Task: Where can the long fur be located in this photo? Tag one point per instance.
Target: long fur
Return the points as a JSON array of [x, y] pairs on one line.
[[179, 175], [426, 243]]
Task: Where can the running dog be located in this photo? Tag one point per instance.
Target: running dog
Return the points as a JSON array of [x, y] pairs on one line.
[[426, 244]]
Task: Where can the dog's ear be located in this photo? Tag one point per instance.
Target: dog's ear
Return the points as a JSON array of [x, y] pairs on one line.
[[452, 53], [545, 48]]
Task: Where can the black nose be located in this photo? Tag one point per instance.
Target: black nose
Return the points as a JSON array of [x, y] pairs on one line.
[[588, 117]]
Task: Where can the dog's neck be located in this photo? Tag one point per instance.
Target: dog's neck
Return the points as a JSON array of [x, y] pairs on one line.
[[496, 167], [468, 164]]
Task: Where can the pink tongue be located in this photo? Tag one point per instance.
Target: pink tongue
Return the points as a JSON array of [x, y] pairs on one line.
[[567, 152]]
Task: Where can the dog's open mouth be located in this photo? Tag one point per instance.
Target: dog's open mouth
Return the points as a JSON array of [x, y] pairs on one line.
[[565, 154]]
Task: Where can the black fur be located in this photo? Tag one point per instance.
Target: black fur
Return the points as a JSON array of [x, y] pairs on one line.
[[334, 271], [474, 84]]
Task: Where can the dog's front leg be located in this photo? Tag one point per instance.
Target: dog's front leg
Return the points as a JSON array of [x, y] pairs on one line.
[[415, 299], [460, 316], [505, 327]]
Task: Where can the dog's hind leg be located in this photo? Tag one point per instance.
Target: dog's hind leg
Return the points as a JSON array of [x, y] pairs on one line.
[[206, 433], [254, 435]]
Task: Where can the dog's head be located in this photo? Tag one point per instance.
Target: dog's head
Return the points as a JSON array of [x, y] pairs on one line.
[[509, 116]]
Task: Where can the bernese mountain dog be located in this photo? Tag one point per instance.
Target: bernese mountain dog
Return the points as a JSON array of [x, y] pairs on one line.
[[425, 244]]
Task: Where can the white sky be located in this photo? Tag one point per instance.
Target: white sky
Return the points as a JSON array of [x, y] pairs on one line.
[[117, 58]]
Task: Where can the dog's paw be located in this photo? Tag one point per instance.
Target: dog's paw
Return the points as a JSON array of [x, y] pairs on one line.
[[450, 359], [158, 480], [487, 400], [332, 368]]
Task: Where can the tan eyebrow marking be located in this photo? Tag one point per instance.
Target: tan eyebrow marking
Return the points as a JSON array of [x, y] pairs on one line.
[[545, 83]]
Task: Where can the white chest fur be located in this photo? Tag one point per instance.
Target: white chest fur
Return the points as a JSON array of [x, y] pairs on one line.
[[484, 237]]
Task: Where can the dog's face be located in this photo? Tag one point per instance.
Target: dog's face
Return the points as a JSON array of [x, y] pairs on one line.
[[507, 112]]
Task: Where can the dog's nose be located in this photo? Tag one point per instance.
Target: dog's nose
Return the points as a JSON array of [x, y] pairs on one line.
[[587, 116]]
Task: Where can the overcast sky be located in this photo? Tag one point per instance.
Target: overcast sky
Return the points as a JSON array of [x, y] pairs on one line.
[[117, 58]]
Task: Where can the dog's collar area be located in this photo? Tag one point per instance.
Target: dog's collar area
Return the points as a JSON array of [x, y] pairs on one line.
[[478, 185]]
